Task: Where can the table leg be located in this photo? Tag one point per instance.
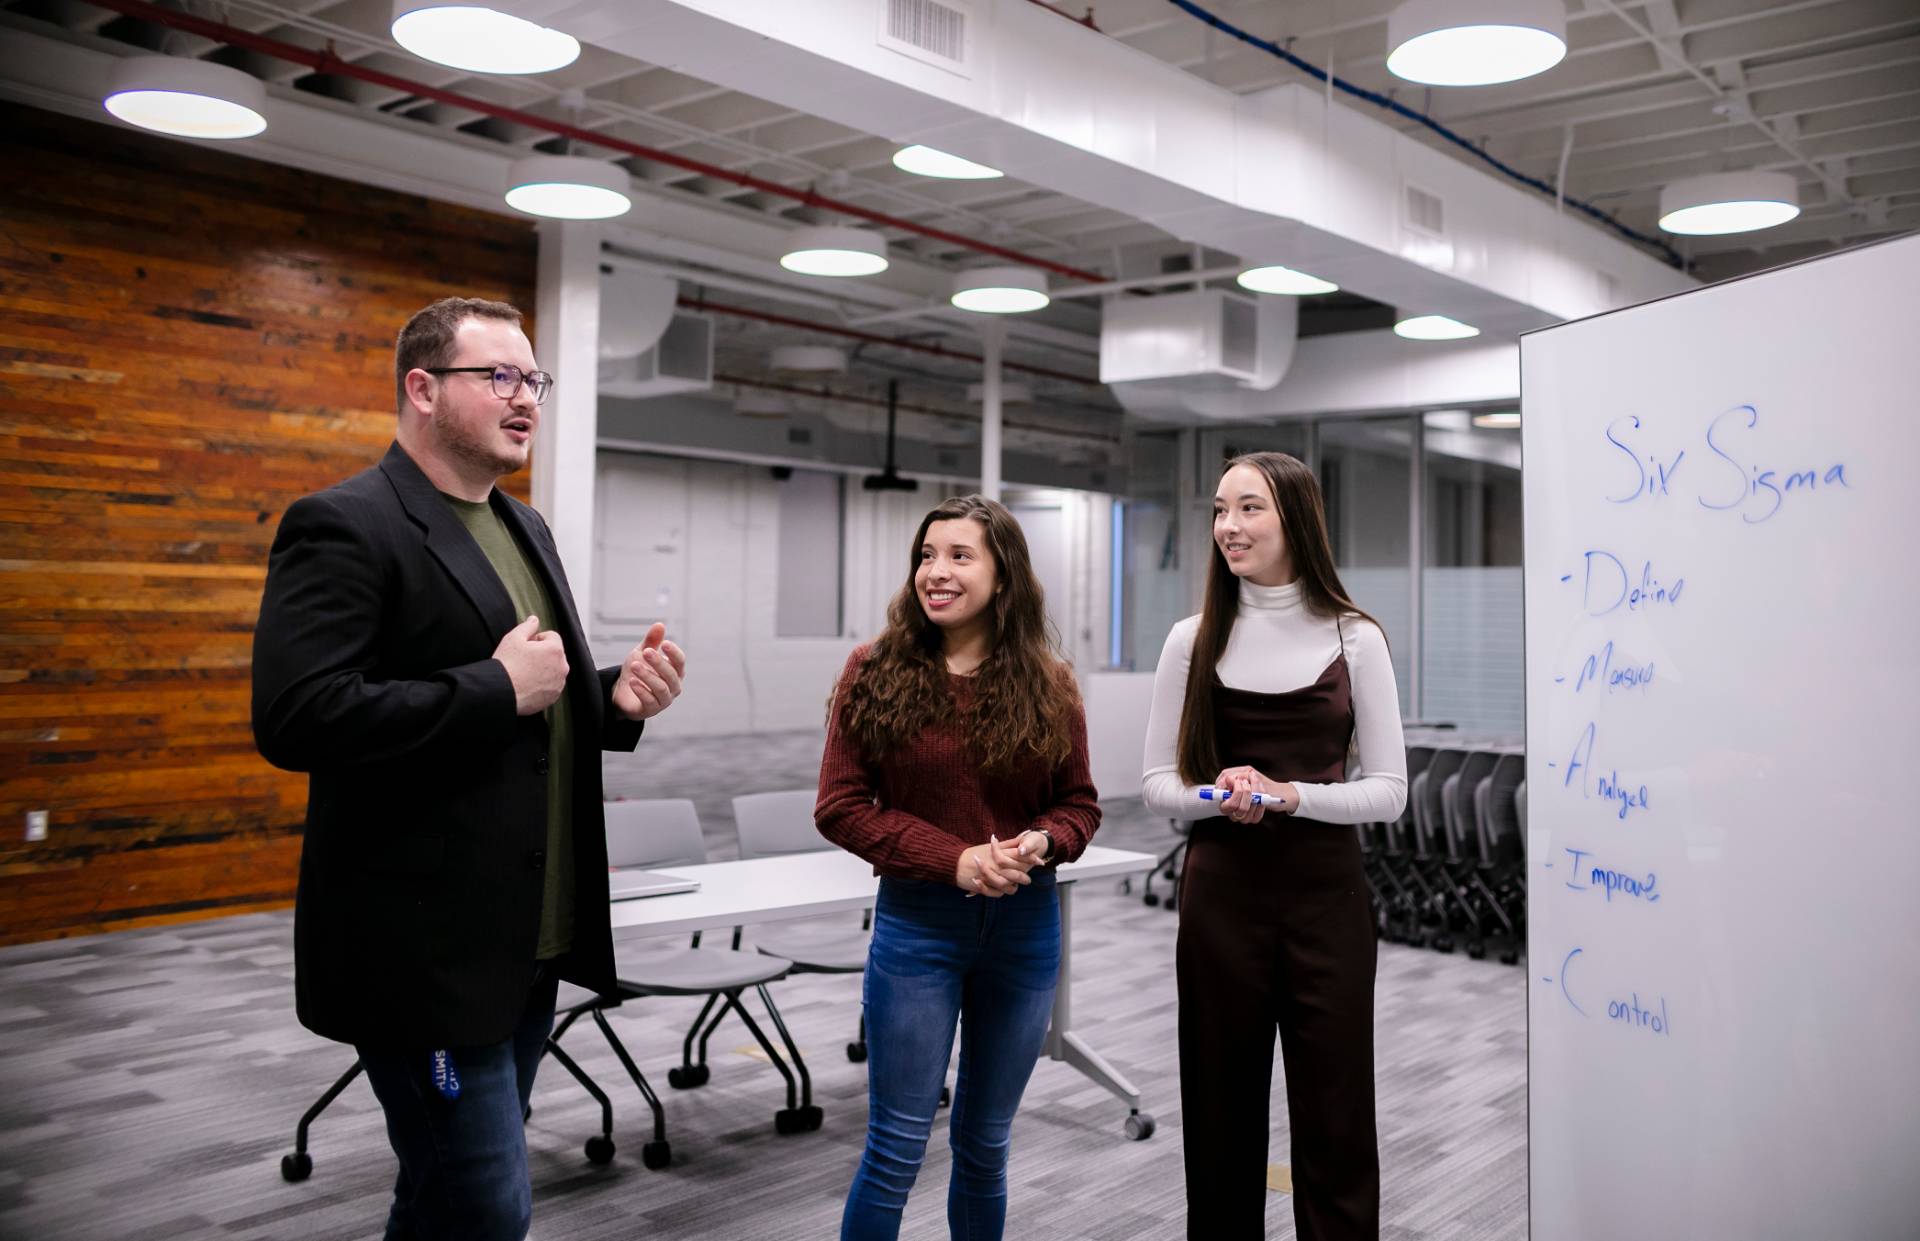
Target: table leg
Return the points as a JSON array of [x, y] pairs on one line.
[[1066, 1046]]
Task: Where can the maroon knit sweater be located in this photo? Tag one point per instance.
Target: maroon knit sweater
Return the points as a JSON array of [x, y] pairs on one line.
[[913, 813]]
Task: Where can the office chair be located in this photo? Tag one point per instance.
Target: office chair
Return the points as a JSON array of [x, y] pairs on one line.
[[775, 825], [666, 833]]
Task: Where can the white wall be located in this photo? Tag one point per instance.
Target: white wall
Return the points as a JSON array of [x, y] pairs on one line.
[[697, 544]]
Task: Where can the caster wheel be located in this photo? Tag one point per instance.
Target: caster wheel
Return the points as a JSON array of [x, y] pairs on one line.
[[1139, 1127], [656, 1155], [526, 1113], [1151, 899], [688, 1076], [789, 1120], [296, 1167], [1477, 951], [811, 1118], [946, 1096], [857, 1052], [1442, 943], [600, 1150], [1509, 957], [1173, 906]]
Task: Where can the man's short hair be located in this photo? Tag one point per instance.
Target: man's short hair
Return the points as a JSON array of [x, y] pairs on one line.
[[427, 340]]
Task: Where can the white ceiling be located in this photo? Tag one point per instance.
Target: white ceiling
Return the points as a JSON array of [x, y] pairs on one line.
[[1828, 90]]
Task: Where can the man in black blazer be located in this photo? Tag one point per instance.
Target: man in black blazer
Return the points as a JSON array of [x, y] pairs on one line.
[[418, 654]]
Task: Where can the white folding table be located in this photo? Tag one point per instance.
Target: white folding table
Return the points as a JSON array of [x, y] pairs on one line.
[[802, 885]]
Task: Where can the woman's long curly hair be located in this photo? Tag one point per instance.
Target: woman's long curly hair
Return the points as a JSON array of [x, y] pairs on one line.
[[1303, 524], [1021, 710]]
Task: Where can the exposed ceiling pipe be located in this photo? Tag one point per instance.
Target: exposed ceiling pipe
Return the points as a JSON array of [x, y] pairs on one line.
[[325, 61], [940, 351]]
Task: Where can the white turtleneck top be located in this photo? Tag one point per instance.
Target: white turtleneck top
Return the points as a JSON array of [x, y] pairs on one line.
[[1276, 646]]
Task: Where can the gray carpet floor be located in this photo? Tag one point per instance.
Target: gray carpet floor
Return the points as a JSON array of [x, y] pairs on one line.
[[153, 1078]]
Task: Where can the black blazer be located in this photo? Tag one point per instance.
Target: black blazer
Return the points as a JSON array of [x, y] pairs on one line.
[[418, 911]]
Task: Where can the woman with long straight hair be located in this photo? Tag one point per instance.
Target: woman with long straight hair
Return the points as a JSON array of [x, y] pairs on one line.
[[1281, 690], [956, 763]]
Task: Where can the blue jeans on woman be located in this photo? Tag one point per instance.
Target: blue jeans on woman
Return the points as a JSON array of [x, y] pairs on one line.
[[939, 956]]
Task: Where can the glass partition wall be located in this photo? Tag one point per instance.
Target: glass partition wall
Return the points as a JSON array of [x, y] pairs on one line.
[[1423, 511]]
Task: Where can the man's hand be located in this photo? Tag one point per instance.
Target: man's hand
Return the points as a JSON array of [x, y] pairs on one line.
[[650, 679], [536, 663]]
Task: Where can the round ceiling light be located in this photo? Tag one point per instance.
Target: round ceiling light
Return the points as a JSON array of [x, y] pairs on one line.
[[835, 251], [1001, 290], [480, 40], [1434, 327], [927, 162], [1284, 280], [1729, 202], [186, 98], [1475, 42], [568, 187]]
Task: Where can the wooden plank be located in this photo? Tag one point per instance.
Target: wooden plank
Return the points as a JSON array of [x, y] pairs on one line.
[[189, 341]]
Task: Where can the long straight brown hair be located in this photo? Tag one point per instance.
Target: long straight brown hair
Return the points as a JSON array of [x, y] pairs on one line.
[[1024, 693], [1303, 524]]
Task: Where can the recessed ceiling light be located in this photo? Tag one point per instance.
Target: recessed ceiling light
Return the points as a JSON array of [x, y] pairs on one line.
[[1499, 420], [1001, 290], [1475, 42], [1434, 327], [568, 187], [186, 98], [480, 40], [1284, 280], [1729, 202], [928, 162], [835, 251]]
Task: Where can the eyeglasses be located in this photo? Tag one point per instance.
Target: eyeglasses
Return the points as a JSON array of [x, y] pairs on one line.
[[506, 379]]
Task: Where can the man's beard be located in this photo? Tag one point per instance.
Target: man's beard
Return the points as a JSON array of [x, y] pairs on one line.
[[475, 451]]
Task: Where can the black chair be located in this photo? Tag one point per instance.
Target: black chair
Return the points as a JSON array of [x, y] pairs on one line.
[[1472, 904], [1502, 848], [1403, 890], [1429, 851]]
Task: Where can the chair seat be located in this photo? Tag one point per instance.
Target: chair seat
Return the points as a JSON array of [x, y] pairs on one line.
[[695, 971], [572, 997], [819, 950]]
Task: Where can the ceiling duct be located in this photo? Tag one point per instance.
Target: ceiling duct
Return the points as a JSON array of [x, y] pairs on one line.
[[681, 360], [1286, 176]]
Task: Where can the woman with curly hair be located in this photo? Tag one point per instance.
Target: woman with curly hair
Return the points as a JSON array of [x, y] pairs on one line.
[[956, 763]]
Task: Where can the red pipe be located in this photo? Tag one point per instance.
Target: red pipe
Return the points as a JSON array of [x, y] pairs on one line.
[[827, 394], [767, 316], [327, 62]]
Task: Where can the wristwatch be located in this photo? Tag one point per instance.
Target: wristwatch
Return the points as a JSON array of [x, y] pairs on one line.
[[1048, 855]]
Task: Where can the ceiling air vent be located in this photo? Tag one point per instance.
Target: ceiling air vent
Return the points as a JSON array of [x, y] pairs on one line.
[[1425, 213], [933, 31]]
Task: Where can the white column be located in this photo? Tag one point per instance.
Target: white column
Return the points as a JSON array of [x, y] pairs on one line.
[[567, 344], [994, 335]]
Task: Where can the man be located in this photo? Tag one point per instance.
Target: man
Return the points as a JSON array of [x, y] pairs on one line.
[[419, 655]]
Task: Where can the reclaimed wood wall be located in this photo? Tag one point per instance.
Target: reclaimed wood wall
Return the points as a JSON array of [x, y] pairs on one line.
[[189, 341]]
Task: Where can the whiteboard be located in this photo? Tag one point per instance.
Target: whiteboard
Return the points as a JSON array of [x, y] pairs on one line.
[[1722, 496]]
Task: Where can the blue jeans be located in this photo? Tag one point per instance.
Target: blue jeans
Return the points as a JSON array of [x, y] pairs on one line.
[[939, 956], [463, 1161]]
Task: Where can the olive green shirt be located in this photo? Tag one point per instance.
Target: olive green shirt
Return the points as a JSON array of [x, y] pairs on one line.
[[530, 598]]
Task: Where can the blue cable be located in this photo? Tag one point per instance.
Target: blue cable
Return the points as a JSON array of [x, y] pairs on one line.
[[1378, 100]]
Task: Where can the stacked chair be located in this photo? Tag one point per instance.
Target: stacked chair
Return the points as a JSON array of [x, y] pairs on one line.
[[1451, 869]]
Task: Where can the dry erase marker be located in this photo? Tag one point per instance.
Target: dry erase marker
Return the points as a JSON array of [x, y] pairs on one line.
[[1259, 799]]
